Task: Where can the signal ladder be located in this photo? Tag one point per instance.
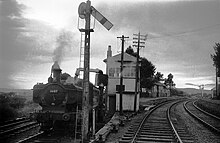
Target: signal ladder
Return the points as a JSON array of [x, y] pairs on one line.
[[82, 47], [78, 124]]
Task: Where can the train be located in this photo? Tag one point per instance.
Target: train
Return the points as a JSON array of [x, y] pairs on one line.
[[61, 103]]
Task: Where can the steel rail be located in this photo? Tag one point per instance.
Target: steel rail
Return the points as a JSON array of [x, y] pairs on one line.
[[207, 113], [14, 123], [199, 119], [13, 120], [171, 124], [30, 137], [18, 128], [144, 119]]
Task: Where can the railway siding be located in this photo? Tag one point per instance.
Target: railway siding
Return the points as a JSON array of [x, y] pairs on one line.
[[17, 130], [207, 120], [210, 106]]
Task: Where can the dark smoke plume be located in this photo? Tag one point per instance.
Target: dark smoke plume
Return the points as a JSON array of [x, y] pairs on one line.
[[63, 44]]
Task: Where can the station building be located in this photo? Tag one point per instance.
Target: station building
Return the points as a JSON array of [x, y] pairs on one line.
[[160, 90], [113, 64]]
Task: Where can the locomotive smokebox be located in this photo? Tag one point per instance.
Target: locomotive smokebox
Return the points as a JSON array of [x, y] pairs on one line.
[[56, 71]]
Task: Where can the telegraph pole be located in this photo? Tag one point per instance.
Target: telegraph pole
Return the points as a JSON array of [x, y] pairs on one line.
[[137, 83], [121, 75], [217, 83], [216, 87]]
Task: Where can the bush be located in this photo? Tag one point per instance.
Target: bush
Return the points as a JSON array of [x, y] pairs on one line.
[[176, 92], [17, 102], [7, 113], [145, 94], [29, 107], [9, 106]]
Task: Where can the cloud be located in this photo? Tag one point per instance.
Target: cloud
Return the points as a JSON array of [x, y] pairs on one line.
[[12, 48], [170, 22], [180, 35], [161, 17], [24, 43], [47, 45]]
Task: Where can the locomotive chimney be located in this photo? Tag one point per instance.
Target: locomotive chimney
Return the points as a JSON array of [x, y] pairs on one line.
[[56, 72]]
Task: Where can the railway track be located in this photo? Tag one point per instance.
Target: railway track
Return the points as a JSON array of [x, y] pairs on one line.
[[12, 121], [205, 112], [14, 128], [210, 121], [30, 138], [157, 126], [51, 137], [18, 128]]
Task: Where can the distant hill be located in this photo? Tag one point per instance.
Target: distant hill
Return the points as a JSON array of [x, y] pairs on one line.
[[194, 91], [27, 93], [13, 90]]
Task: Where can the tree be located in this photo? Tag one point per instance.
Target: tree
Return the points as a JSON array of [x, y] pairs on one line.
[[130, 51], [158, 77], [147, 70], [169, 81], [177, 92], [216, 57]]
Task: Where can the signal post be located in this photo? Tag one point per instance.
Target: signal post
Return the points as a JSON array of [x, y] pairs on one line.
[[85, 10]]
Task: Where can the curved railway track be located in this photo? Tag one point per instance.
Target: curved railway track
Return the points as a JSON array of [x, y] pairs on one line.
[[207, 119], [205, 112], [156, 126]]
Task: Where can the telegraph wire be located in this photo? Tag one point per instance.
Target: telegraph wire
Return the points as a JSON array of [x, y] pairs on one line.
[[186, 32], [172, 35]]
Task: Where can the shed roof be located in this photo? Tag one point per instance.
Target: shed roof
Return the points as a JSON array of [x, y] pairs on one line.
[[214, 88], [127, 58], [160, 84]]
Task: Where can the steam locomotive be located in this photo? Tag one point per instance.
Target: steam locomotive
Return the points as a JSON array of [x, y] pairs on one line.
[[61, 101]]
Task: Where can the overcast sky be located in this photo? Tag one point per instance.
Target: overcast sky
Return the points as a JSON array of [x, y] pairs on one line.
[[34, 33]]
